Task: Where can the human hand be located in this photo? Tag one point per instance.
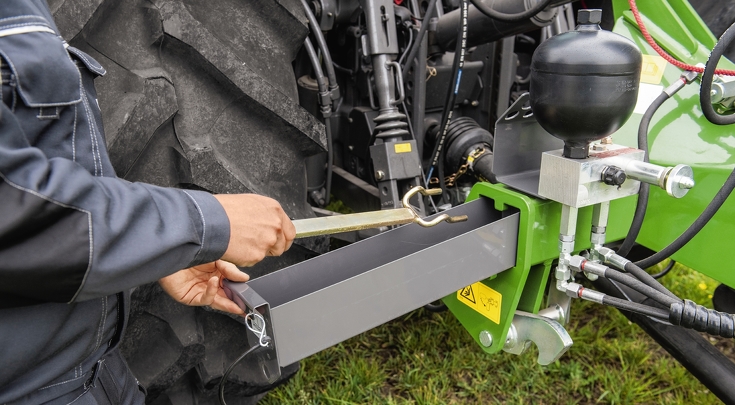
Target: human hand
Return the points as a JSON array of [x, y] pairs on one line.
[[258, 227], [202, 285]]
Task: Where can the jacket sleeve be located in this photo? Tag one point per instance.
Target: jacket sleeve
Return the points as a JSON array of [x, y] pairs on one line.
[[66, 235]]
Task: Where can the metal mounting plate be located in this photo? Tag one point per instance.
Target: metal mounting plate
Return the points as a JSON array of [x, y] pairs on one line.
[[519, 143]]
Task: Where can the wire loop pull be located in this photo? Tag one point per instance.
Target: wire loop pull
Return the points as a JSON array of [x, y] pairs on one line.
[[256, 324]]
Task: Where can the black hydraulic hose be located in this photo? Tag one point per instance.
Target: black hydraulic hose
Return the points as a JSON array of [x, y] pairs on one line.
[[322, 43], [326, 110], [635, 307], [330, 157], [643, 192], [410, 44], [695, 227], [452, 90], [488, 11], [647, 279], [229, 370], [705, 97], [318, 72], [416, 46], [642, 288], [665, 271]]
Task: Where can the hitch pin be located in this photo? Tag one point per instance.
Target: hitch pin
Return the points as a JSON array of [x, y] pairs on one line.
[[374, 219]]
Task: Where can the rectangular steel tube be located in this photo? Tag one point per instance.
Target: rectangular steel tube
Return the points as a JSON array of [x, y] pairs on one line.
[[328, 299]]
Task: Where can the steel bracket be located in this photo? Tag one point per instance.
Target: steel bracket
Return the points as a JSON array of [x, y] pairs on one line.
[[264, 359], [549, 336]]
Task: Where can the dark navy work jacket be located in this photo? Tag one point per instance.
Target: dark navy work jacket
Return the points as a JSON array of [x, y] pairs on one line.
[[72, 235]]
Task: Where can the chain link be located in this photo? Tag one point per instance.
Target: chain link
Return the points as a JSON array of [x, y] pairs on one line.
[[451, 179]]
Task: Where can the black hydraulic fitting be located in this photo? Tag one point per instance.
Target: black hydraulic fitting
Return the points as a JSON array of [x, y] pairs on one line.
[[613, 176]]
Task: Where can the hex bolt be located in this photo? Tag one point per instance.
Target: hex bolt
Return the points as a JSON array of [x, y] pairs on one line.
[[589, 16], [486, 339]]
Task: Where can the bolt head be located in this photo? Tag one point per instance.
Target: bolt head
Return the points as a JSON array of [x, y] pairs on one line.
[[379, 175], [680, 180], [589, 16], [486, 339]]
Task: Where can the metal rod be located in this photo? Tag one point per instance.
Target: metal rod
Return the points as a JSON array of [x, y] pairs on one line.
[[352, 222], [375, 219]]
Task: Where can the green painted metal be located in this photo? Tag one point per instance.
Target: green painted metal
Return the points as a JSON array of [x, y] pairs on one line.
[[675, 26], [679, 133], [522, 287]]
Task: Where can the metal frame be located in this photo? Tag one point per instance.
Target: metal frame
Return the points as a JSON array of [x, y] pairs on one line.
[[326, 300]]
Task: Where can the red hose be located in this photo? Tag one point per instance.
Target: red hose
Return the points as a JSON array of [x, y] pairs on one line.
[[660, 51]]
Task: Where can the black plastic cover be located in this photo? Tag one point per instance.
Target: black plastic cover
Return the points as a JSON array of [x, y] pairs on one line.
[[584, 84]]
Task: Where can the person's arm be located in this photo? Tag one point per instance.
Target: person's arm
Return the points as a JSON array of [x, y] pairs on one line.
[[66, 235]]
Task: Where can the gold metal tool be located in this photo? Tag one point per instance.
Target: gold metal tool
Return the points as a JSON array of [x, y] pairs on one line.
[[374, 219]]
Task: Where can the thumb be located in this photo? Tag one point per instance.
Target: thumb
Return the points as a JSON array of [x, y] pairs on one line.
[[231, 272]]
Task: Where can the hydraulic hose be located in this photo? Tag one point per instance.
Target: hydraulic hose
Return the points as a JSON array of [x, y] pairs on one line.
[[322, 43], [410, 44], [647, 279], [605, 299], [665, 271], [452, 91], [416, 46], [695, 227], [229, 370], [326, 110], [488, 11], [705, 97], [644, 191], [330, 157], [642, 288], [318, 72], [635, 307]]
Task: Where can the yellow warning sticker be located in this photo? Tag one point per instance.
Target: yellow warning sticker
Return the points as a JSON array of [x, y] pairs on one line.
[[482, 299], [653, 69], [403, 147]]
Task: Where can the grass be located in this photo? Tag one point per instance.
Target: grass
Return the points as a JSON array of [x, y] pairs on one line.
[[428, 358]]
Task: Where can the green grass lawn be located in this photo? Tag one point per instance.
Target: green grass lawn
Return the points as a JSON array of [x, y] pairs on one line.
[[428, 358]]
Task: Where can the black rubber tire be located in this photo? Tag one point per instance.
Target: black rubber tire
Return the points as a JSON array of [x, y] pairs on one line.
[[199, 94]]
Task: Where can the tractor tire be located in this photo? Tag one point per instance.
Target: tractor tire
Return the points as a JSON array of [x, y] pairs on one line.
[[200, 94]]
